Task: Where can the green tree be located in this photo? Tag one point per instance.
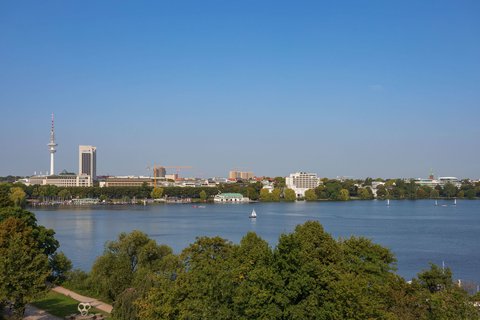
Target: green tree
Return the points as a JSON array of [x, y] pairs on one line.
[[64, 194], [203, 195], [306, 261], [436, 278], [23, 264], [279, 182], [17, 197], [252, 193], [450, 190], [434, 194], [470, 194], [255, 279], [265, 195], [60, 265], [124, 307], [5, 200], [275, 195], [289, 195], [124, 260], [156, 193], [365, 193], [310, 195], [201, 287], [343, 195]]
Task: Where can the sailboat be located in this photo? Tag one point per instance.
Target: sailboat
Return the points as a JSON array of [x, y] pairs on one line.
[[436, 202], [388, 202], [455, 201], [253, 215]]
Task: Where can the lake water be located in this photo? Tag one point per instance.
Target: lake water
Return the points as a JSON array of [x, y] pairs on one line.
[[418, 232]]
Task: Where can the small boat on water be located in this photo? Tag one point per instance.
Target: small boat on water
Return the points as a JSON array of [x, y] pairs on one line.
[[388, 202], [455, 202], [436, 202], [253, 215]]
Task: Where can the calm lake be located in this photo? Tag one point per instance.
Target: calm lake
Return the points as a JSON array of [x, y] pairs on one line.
[[418, 232]]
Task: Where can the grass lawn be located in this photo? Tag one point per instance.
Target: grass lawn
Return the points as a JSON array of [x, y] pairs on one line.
[[60, 305]]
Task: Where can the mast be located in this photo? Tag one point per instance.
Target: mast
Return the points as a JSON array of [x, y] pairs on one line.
[[51, 147]]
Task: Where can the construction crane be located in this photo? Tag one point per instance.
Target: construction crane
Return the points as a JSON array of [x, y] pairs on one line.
[[166, 167]]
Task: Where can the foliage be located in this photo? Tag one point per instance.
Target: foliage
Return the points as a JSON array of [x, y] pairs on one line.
[[5, 200], [124, 307], [309, 275], [343, 195], [123, 261], [435, 279], [60, 265], [17, 197], [289, 195], [24, 265], [274, 196], [28, 254], [310, 195], [156, 193], [203, 195]]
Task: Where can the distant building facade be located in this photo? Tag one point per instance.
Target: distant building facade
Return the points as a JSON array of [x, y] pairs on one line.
[[244, 175], [301, 182], [127, 181], [159, 172], [230, 197], [441, 181], [87, 161], [68, 180]]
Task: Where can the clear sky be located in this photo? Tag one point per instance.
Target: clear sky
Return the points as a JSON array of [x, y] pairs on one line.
[[341, 88]]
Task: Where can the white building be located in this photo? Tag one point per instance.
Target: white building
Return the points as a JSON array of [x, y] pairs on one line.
[[62, 180], [441, 181], [87, 161], [230, 197], [301, 182]]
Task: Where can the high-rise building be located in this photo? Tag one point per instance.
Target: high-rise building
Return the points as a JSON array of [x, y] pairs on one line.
[[301, 182], [159, 172], [233, 175], [87, 161]]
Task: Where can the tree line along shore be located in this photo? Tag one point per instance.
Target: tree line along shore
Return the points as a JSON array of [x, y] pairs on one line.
[[330, 189]]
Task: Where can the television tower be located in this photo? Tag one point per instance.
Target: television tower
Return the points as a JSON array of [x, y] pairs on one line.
[[51, 147]]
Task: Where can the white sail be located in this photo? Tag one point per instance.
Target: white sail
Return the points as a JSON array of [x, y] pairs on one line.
[[388, 202], [253, 214]]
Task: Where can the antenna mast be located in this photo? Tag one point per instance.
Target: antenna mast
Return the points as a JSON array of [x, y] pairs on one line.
[[51, 147]]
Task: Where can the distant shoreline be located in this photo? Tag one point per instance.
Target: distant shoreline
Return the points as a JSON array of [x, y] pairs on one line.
[[197, 203]]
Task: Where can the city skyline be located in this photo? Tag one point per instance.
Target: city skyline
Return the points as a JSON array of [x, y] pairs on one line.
[[371, 89]]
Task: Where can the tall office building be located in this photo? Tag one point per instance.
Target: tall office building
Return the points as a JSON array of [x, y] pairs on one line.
[[87, 161], [159, 172]]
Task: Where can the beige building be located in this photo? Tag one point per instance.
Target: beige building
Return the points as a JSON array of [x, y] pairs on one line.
[[67, 180], [128, 181], [244, 175]]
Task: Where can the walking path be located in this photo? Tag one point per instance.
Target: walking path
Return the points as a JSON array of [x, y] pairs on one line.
[[94, 302], [33, 313]]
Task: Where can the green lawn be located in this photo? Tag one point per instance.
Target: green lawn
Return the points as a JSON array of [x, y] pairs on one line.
[[60, 305]]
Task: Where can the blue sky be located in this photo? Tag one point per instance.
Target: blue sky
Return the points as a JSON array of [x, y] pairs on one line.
[[341, 88]]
